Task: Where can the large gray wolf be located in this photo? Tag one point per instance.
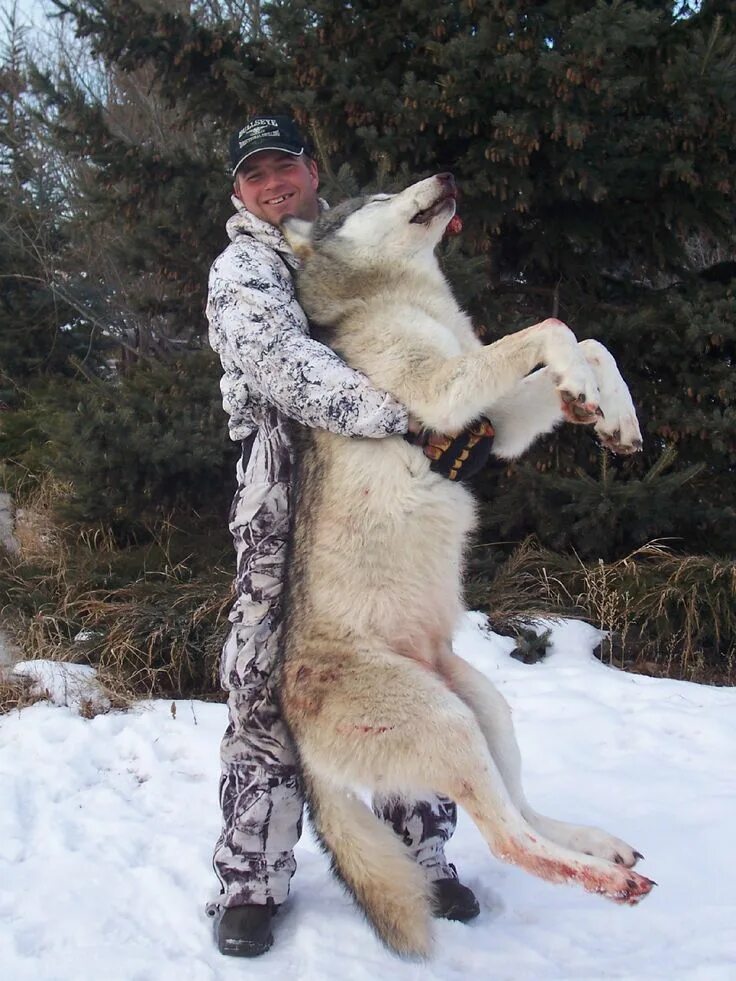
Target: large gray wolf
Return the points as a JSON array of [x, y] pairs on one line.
[[369, 685]]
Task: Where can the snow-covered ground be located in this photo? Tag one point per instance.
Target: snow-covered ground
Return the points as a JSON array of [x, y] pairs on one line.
[[107, 825]]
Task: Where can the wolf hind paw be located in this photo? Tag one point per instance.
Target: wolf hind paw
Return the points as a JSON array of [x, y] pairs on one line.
[[628, 890], [587, 840], [602, 845]]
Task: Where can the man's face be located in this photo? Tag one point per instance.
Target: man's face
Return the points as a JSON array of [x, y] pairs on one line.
[[272, 184]]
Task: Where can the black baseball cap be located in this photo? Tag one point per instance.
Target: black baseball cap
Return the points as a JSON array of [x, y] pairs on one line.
[[266, 133]]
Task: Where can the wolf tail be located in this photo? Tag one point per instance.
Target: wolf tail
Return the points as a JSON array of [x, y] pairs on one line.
[[375, 866]]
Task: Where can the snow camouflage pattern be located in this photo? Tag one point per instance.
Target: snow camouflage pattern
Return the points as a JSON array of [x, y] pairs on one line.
[[273, 370], [270, 364]]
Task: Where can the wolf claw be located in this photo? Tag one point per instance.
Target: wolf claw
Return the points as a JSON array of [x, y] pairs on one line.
[[637, 888]]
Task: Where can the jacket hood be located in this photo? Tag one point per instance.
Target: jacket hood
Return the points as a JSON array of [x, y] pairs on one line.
[[243, 222]]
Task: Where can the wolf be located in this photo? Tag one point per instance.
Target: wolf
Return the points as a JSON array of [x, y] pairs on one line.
[[368, 683]]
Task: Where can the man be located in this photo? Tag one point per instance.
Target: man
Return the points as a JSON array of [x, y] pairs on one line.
[[274, 372]]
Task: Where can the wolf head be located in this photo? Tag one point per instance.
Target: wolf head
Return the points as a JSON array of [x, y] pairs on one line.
[[396, 225], [363, 242]]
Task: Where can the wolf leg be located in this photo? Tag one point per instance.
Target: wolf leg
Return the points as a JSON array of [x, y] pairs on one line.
[[494, 718], [534, 406], [447, 394], [386, 722]]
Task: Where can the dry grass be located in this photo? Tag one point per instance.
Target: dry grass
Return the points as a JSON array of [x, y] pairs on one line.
[[155, 636], [665, 614], [157, 628], [161, 638], [36, 530], [510, 595], [18, 693], [142, 618], [107, 693]]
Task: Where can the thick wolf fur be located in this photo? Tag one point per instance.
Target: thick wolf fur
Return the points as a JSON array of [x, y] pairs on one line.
[[371, 690]]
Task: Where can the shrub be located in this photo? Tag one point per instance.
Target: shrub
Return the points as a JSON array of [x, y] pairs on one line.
[[134, 448], [151, 617], [664, 613]]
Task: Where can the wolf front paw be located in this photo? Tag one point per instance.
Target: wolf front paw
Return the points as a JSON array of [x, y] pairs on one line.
[[577, 412], [623, 439], [617, 427], [575, 379], [579, 394]]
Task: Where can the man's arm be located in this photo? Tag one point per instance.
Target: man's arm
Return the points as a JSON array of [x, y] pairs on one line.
[[253, 312]]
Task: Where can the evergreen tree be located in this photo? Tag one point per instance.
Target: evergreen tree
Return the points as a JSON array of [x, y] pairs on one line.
[[37, 332], [591, 143], [42, 337], [120, 279], [141, 447]]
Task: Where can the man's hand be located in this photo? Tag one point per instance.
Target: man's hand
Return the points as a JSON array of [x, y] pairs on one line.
[[457, 457]]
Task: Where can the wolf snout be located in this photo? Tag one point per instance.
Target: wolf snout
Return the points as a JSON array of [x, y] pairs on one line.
[[447, 181]]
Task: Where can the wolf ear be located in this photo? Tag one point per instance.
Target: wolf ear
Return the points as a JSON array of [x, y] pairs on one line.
[[298, 233]]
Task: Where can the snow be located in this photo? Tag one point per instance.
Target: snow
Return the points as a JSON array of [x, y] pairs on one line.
[[107, 826], [71, 685]]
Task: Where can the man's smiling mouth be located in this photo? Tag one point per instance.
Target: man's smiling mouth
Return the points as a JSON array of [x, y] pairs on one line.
[[280, 198]]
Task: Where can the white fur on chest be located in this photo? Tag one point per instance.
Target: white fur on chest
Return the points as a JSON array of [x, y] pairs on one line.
[[393, 533], [399, 329]]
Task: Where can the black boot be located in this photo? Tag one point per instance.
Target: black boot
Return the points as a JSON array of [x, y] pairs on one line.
[[454, 901], [245, 931]]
